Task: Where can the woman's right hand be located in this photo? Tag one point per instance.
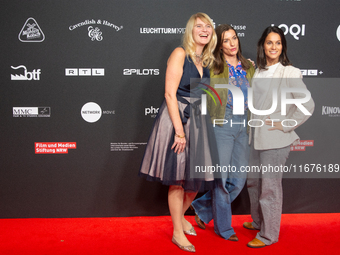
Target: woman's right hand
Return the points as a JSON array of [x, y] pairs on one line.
[[275, 125]]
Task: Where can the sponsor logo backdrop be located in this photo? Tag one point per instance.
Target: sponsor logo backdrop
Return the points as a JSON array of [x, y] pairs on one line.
[[81, 83]]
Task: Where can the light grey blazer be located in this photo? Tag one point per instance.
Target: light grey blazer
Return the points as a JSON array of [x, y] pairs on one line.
[[284, 77]]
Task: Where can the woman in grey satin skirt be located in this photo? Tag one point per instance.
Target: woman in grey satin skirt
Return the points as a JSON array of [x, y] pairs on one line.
[[167, 155]]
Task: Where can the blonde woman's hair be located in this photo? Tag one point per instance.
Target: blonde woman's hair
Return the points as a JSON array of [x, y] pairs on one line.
[[190, 45]]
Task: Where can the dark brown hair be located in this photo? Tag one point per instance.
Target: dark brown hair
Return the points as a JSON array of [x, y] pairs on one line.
[[218, 65], [261, 56]]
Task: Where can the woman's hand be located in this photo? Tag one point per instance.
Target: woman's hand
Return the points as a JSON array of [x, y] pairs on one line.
[[179, 144], [252, 62], [275, 125]]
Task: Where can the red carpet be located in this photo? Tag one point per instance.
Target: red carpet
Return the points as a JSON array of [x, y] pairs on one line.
[[300, 234]]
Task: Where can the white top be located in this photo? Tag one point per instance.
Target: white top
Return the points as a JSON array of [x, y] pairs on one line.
[[261, 86], [287, 77], [269, 72]]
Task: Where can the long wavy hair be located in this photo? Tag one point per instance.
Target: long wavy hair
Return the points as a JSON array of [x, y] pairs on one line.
[[218, 65], [190, 45], [261, 56]]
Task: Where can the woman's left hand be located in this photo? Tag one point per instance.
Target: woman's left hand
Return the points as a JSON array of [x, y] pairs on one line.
[[252, 62], [179, 144], [275, 125]]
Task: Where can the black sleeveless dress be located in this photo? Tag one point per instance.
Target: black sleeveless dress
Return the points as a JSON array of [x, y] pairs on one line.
[[160, 163]]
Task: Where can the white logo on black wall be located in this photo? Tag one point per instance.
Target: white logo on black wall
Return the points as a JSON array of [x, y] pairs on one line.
[[294, 30], [31, 112], [331, 111], [31, 32], [91, 112], [23, 75], [338, 33], [140, 71], [84, 72], [240, 29], [93, 30], [311, 72], [152, 111], [162, 30], [95, 33]]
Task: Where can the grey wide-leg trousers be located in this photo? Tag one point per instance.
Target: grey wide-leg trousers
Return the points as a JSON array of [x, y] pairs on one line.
[[265, 192]]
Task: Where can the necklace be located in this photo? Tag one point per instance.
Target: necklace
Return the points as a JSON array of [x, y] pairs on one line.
[[199, 57]]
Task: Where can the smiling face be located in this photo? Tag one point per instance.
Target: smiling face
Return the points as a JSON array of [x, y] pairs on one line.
[[272, 48], [202, 32], [229, 44]]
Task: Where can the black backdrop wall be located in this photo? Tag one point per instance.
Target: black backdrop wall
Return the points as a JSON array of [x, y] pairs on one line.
[[81, 82]]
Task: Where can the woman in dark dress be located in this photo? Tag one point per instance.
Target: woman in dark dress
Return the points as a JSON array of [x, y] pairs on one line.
[[166, 157]]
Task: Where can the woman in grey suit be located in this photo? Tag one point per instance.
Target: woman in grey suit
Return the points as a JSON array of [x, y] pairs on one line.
[[272, 133]]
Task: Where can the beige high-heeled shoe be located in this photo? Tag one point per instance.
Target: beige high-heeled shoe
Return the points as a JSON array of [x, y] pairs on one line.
[[189, 248]]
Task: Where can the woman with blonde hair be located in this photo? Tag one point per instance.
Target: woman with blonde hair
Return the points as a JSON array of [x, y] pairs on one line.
[[167, 155]]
